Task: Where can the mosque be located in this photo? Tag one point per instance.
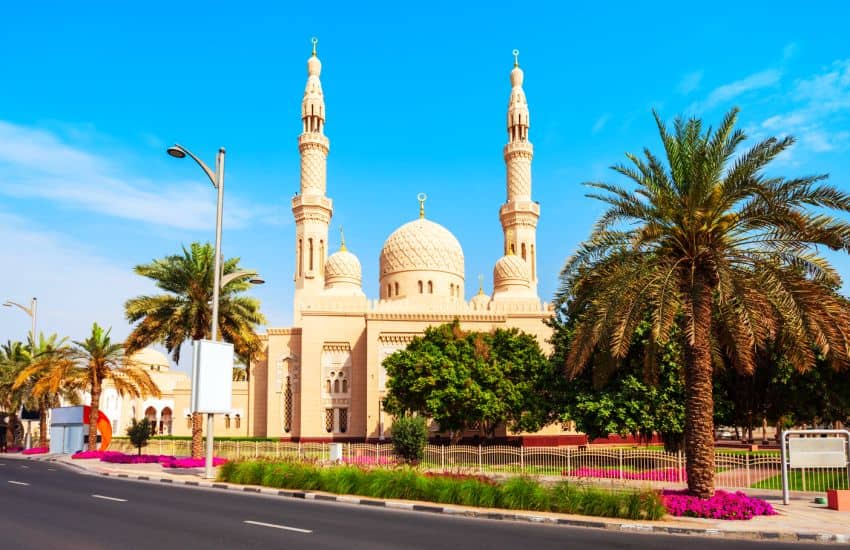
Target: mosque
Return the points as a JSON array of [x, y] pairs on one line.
[[322, 379]]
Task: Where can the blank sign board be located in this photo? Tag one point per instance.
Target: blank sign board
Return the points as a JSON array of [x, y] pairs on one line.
[[817, 452], [212, 380]]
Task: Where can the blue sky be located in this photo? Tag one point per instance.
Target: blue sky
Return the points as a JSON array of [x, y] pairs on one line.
[[416, 96]]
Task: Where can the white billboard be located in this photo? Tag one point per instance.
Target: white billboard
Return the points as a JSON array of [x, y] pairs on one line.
[[212, 376]]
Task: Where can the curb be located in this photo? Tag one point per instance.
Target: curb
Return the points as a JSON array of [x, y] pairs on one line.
[[773, 536]]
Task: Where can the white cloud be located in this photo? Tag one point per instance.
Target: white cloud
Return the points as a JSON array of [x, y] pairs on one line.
[[38, 164], [74, 286], [689, 82], [600, 123], [732, 90], [820, 110]]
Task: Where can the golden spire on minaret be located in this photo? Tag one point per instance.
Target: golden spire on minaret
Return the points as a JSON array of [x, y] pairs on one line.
[[516, 57], [421, 197], [342, 240], [316, 41]]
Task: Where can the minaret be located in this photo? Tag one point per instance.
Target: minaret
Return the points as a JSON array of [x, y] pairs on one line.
[[519, 214], [311, 208]]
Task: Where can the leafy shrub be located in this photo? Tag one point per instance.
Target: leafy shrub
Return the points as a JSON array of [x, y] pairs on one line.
[[409, 437], [524, 493], [722, 505], [139, 432]]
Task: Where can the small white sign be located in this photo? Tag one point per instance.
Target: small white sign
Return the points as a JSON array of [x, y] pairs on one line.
[[817, 452], [212, 376]]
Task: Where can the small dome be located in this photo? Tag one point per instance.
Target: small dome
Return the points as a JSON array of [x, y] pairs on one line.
[[480, 302], [422, 245], [343, 267], [511, 269]]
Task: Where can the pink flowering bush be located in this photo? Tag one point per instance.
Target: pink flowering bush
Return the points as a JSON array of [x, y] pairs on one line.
[[191, 462], [722, 505], [370, 461], [115, 457], [668, 474], [14, 449], [36, 451], [87, 454]]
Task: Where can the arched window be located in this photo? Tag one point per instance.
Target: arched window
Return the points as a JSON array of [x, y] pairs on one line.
[[513, 248], [420, 287], [322, 256], [343, 420], [227, 422], [327, 386], [533, 265], [300, 253], [336, 385], [238, 421], [344, 385], [430, 287], [522, 250], [189, 421], [452, 289], [310, 251], [389, 290], [396, 289]]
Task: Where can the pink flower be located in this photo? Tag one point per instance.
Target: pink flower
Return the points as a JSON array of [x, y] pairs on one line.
[[36, 451], [723, 505]]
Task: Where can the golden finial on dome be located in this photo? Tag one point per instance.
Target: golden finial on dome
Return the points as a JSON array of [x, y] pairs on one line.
[[515, 52], [315, 41], [421, 197], [342, 240], [480, 284]]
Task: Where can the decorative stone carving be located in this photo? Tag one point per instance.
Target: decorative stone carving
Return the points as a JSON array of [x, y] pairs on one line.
[[422, 245]]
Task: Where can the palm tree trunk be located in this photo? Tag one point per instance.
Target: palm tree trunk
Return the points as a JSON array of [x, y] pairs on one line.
[[42, 424], [197, 435], [95, 409], [699, 401]]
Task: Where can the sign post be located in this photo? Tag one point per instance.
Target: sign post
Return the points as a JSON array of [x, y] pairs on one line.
[[212, 385], [832, 451]]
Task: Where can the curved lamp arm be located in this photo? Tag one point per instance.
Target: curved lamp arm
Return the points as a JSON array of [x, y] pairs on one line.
[[25, 309], [210, 174], [230, 277]]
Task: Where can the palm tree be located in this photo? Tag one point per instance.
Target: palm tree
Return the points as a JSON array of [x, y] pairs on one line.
[[184, 311], [709, 239], [14, 357], [40, 359], [95, 360]]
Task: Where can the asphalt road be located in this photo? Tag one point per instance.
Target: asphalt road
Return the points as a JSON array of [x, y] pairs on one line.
[[45, 506]]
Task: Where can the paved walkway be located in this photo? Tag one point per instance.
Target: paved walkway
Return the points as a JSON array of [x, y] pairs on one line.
[[801, 520]]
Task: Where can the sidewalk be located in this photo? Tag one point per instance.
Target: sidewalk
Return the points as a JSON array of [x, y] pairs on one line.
[[802, 520]]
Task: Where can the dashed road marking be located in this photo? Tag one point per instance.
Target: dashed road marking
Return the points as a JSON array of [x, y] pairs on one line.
[[110, 498], [275, 526], [18, 482]]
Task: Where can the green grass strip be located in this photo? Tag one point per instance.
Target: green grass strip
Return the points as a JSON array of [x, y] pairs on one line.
[[517, 493]]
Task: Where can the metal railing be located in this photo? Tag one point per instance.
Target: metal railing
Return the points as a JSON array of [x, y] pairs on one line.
[[598, 464]]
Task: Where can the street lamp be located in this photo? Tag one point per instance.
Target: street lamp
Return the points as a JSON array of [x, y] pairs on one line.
[[31, 311], [217, 179]]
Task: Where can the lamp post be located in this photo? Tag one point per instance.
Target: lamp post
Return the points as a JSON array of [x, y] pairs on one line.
[[31, 311], [217, 179]]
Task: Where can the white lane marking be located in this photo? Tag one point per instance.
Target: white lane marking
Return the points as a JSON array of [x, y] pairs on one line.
[[110, 498], [18, 482], [25, 467], [51, 470], [284, 527]]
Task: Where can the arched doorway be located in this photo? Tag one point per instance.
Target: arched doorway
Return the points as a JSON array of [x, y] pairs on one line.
[[150, 414], [165, 422]]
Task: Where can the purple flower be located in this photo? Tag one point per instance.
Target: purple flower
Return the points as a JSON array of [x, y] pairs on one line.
[[723, 505]]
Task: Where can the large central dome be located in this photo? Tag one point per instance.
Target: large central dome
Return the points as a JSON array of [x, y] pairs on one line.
[[418, 253]]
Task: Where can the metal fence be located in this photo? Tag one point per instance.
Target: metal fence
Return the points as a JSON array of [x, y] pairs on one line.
[[614, 465]]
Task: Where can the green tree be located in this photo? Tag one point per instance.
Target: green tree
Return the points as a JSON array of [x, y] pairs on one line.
[[464, 380], [14, 357], [139, 433], [709, 238], [644, 396], [184, 311], [91, 362], [39, 360]]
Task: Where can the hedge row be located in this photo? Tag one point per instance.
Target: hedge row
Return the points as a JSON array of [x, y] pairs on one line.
[[518, 493]]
